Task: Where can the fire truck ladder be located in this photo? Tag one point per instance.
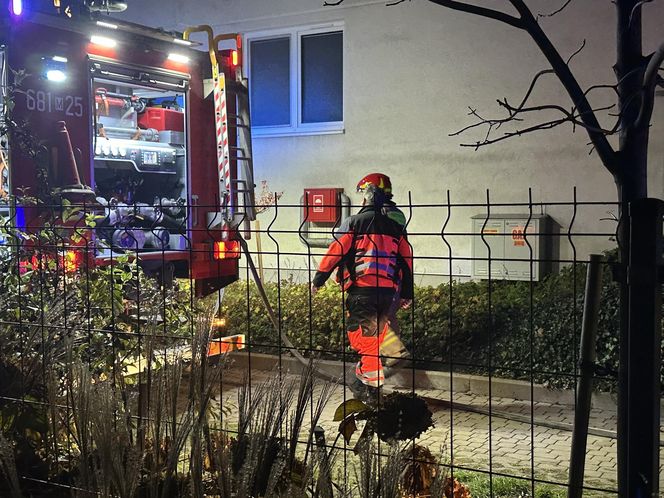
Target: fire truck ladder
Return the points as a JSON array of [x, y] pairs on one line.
[[236, 192], [238, 90]]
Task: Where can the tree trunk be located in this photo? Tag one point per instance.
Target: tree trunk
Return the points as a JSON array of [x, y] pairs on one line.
[[631, 181], [629, 68]]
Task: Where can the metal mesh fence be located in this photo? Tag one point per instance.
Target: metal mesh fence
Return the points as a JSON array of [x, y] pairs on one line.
[[142, 357]]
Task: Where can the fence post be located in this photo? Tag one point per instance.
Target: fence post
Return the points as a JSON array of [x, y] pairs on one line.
[[644, 343], [585, 384]]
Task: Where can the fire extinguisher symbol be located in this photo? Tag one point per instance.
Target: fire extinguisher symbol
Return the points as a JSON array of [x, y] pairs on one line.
[[318, 203]]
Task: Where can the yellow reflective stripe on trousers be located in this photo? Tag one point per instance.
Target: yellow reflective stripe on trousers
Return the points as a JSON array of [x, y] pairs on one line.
[[374, 378]]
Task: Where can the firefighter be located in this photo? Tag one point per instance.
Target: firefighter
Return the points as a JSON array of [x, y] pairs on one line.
[[392, 349], [382, 187], [374, 262]]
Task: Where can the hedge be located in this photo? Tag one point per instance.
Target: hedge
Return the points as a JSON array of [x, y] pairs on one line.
[[519, 330]]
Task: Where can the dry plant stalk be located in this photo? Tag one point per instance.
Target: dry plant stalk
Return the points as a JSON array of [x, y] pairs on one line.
[[8, 467], [118, 461], [268, 458]]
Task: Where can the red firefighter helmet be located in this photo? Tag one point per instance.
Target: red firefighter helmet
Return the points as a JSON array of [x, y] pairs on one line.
[[376, 180]]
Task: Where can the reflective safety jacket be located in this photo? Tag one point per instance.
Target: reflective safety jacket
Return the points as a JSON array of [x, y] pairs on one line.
[[391, 210], [370, 251]]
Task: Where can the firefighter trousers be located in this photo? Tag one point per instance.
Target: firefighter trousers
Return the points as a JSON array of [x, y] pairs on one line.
[[392, 349], [367, 324]]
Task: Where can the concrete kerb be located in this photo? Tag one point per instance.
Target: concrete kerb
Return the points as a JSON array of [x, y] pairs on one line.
[[462, 383]]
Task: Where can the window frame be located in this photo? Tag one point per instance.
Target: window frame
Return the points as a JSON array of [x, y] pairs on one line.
[[295, 34]]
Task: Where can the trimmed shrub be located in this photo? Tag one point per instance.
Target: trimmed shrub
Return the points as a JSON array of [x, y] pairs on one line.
[[518, 330]]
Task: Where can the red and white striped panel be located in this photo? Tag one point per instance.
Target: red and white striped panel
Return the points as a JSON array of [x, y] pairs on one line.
[[221, 124]]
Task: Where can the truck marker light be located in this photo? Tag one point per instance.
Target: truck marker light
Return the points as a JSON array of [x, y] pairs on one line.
[[107, 25], [103, 41], [16, 7], [178, 58], [234, 60], [54, 68], [72, 260], [229, 249], [56, 75], [180, 41]]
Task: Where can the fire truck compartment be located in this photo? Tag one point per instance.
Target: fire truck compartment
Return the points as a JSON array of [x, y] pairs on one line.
[[140, 165]]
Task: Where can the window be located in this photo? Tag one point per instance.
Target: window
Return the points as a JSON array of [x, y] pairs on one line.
[[270, 82], [296, 81]]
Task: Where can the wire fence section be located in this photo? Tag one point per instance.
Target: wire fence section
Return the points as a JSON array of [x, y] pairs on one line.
[[166, 350]]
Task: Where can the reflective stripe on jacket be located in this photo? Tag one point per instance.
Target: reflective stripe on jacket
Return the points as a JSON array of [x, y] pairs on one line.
[[370, 250]]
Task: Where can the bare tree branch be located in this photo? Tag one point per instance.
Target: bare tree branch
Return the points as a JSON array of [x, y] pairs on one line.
[[583, 45], [481, 11], [514, 113], [547, 125], [636, 7], [490, 123], [533, 82], [562, 70], [615, 86], [601, 87], [571, 115], [586, 114], [650, 80], [542, 126], [557, 11], [339, 2]]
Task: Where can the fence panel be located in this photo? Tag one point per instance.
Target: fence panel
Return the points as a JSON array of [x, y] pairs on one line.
[[134, 364]]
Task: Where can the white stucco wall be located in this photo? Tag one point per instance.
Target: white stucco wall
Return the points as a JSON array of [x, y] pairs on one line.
[[410, 73]]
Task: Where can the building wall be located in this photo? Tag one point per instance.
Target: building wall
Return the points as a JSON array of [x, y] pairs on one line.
[[411, 72]]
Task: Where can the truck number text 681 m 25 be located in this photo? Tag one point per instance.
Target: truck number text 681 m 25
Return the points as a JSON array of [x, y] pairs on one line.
[[40, 101]]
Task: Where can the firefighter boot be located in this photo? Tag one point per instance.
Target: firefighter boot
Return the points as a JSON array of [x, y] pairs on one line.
[[372, 396], [358, 389], [366, 394]]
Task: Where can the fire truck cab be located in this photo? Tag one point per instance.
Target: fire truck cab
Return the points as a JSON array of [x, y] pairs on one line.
[[124, 114]]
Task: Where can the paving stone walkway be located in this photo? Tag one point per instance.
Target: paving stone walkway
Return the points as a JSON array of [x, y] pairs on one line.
[[498, 436]]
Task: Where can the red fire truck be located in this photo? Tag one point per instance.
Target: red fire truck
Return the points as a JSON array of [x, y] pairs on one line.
[[141, 128]]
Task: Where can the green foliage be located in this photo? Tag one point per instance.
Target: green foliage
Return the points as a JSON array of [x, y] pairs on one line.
[[54, 312], [315, 323], [507, 328], [506, 487]]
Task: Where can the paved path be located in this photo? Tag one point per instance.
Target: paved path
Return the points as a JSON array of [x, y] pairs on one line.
[[477, 441]]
